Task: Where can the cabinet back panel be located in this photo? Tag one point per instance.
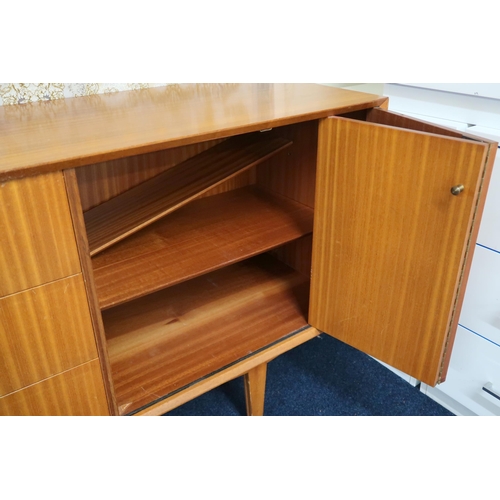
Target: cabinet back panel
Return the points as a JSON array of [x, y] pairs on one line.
[[296, 254], [292, 173], [102, 181]]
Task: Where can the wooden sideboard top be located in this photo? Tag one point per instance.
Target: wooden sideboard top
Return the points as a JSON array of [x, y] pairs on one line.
[[52, 135]]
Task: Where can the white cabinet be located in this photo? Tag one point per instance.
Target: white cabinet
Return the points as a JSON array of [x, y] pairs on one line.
[[475, 361], [475, 364]]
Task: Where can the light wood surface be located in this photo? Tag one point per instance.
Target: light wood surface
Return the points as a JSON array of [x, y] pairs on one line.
[[102, 181], [389, 256], [255, 390], [203, 236], [80, 131], [37, 243], [77, 392], [244, 366], [164, 342], [388, 248], [141, 206], [44, 331], [91, 294]]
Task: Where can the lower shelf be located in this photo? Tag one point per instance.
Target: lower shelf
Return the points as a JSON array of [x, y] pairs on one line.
[[166, 341]]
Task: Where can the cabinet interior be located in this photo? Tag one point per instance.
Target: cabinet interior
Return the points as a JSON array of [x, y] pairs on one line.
[[201, 255]]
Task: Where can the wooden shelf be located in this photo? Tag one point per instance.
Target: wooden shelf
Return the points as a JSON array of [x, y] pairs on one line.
[[203, 236], [168, 340], [142, 205]]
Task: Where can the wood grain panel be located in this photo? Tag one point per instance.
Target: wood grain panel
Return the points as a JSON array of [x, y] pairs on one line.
[[37, 242], [246, 178], [44, 331], [129, 212], [102, 181], [65, 133], [388, 248], [166, 341], [236, 370], [292, 173], [385, 117], [91, 294], [77, 392], [201, 237]]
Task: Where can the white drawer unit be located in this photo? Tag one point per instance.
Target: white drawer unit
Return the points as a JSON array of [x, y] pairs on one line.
[[472, 386]]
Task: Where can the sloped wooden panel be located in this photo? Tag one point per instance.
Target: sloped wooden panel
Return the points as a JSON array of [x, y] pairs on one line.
[[144, 204]]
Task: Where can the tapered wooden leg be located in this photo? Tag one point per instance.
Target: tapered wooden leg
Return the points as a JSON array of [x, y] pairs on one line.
[[255, 390]]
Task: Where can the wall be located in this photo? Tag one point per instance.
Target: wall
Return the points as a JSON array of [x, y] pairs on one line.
[[21, 93]]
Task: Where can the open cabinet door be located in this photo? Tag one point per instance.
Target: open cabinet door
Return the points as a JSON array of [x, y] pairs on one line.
[[391, 241]]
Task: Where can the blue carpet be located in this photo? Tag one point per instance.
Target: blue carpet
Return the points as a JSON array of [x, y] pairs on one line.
[[321, 377]]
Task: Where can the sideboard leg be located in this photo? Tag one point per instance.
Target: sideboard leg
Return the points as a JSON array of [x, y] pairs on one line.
[[255, 390]]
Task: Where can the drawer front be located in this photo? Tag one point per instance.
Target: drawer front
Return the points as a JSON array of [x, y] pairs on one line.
[[77, 392], [37, 241], [44, 331], [475, 364]]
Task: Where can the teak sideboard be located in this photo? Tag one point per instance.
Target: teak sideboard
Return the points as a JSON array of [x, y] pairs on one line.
[[157, 243]]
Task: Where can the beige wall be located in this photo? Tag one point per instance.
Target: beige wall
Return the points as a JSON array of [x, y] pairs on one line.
[[20, 93]]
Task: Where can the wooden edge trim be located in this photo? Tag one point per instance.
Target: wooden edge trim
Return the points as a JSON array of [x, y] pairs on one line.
[[88, 278], [384, 105], [230, 373]]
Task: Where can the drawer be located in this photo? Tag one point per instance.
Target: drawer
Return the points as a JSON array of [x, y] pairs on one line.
[[481, 308], [475, 364], [79, 391], [37, 241], [489, 235], [44, 331]]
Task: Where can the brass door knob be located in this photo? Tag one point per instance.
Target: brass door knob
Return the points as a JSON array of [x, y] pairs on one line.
[[456, 190]]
